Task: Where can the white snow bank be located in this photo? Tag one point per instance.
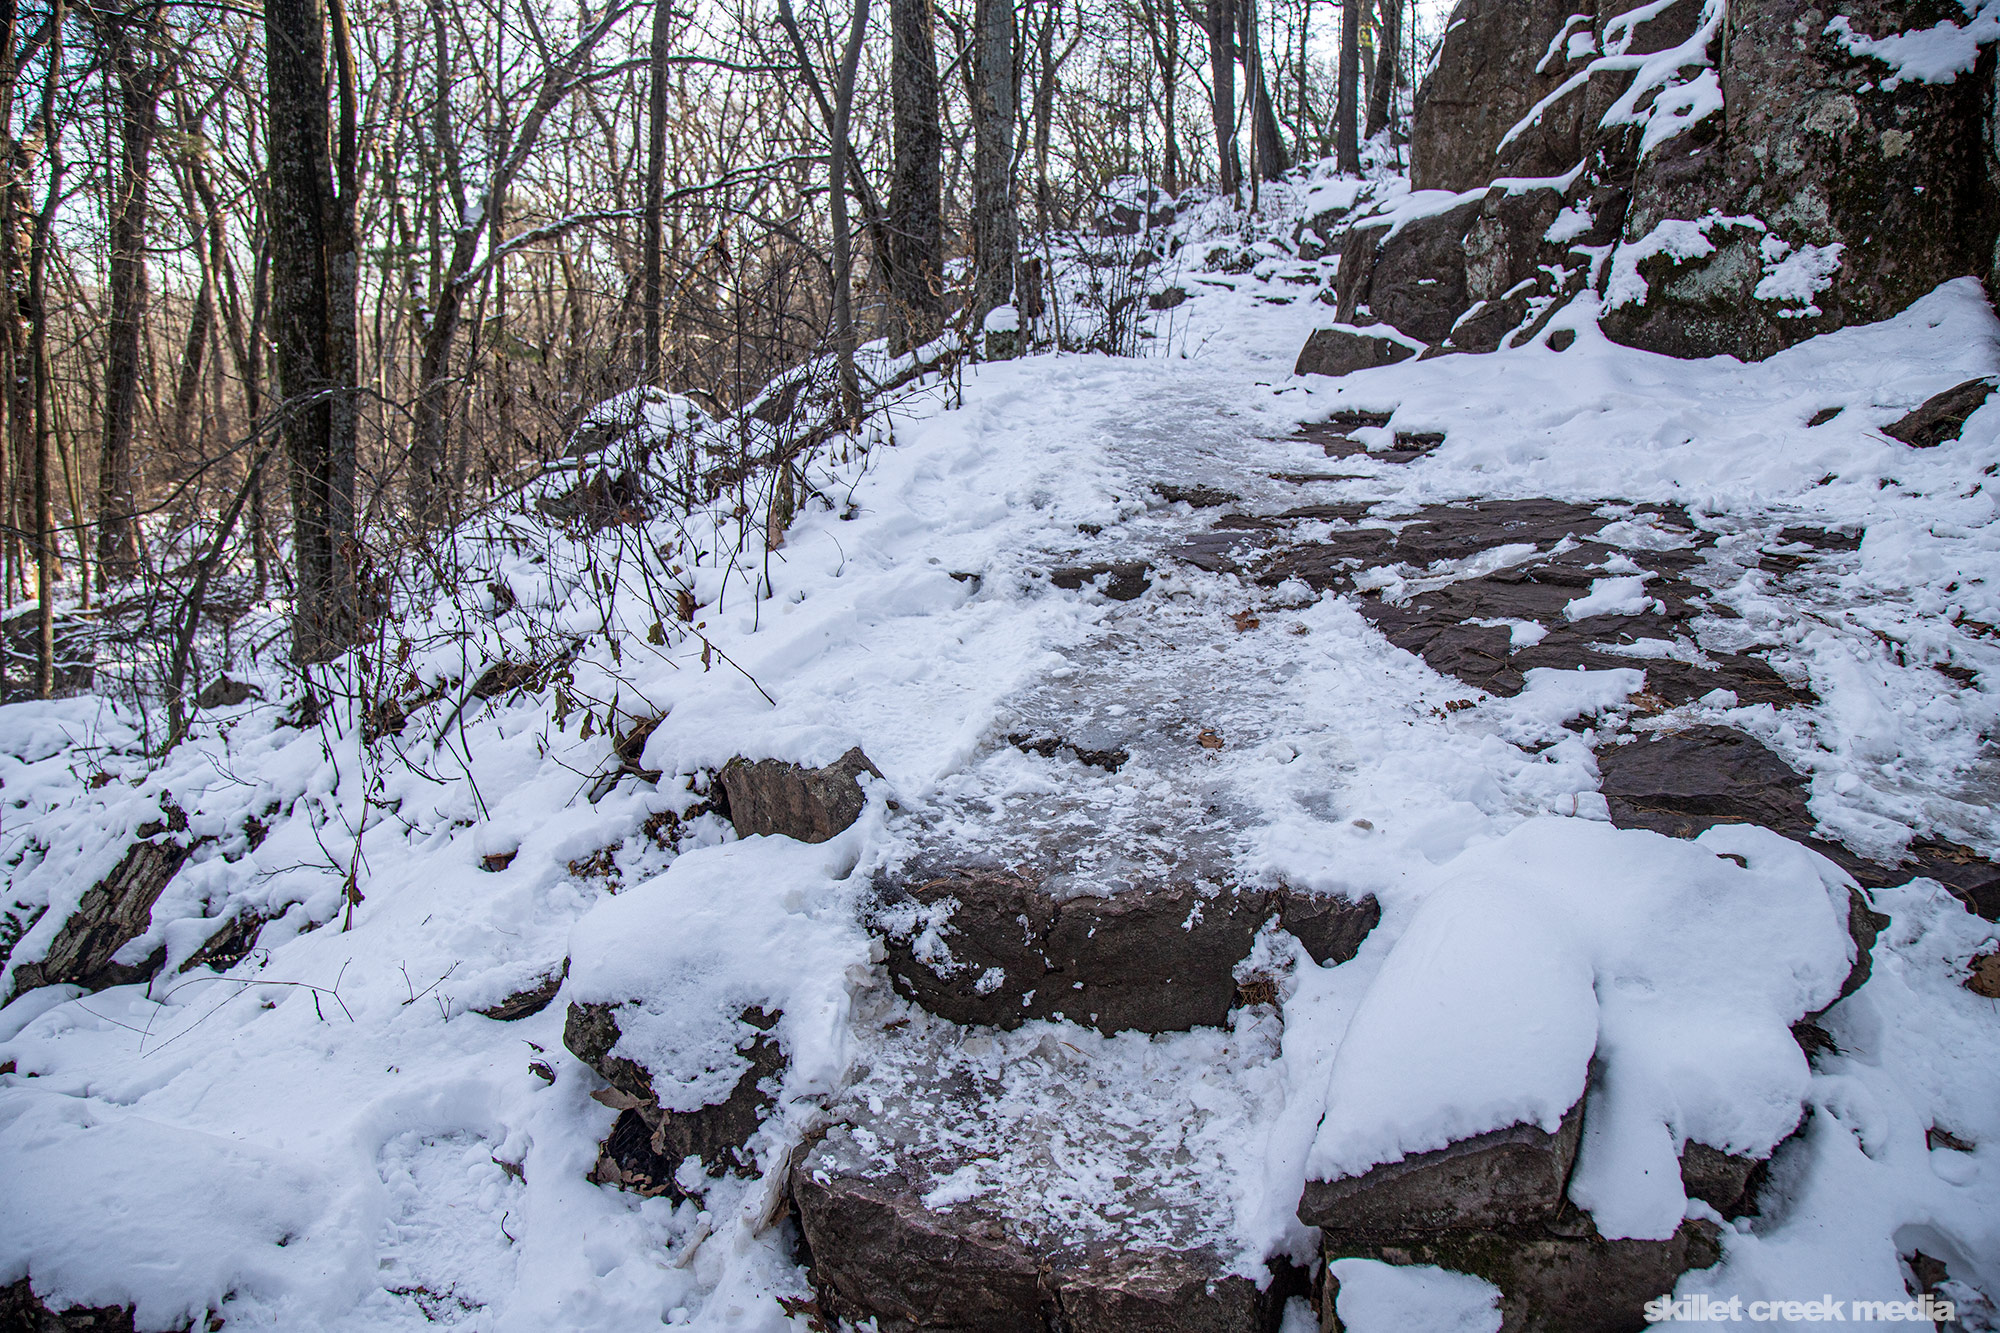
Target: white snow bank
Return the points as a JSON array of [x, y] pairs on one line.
[[1681, 971]]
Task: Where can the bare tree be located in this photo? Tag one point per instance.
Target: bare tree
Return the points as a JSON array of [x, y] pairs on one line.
[[655, 297], [996, 103], [1388, 67], [132, 44], [1222, 91], [916, 216], [307, 267], [1347, 147]]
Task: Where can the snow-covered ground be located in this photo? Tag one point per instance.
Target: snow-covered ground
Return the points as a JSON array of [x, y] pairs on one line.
[[328, 1136]]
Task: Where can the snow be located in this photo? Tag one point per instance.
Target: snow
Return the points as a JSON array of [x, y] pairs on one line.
[[1003, 319], [1797, 276], [1678, 239], [1936, 54], [1379, 1298], [337, 1091]]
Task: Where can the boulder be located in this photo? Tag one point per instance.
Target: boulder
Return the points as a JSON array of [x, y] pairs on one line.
[[995, 948], [1824, 149], [1941, 417], [529, 1000], [1508, 1177], [1492, 68], [1341, 351], [770, 796], [114, 912], [1555, 1279], [717, 1134]]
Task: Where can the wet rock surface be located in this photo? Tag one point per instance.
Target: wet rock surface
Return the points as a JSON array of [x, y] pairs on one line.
[[650, 1143], [1685, 781], [1343, 351], [770, 796], [1489, 629]]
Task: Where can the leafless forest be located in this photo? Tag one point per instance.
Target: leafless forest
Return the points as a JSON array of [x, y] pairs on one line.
[[294, 289]]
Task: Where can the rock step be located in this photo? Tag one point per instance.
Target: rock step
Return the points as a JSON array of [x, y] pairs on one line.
[[1045, 1179], [999, 949]]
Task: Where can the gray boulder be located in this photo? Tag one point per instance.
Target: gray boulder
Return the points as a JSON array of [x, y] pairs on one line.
[[1941, 417], [114, 912]]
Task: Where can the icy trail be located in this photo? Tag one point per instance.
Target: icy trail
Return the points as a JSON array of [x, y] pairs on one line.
[[375, 1155]]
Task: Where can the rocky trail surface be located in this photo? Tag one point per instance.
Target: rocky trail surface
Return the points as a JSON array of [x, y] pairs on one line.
[[1166, 844]]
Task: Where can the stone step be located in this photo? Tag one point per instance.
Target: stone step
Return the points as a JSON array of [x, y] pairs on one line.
[[1049, 1179]]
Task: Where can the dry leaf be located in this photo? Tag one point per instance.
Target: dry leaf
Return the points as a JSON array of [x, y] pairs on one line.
[[1985, 978], [1209, 740], [616, 1099], [1245, 621]]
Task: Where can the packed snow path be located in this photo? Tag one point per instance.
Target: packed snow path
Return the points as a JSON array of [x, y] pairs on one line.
[[375, 1154]]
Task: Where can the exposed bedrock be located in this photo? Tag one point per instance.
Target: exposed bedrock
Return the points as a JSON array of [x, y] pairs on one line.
[[1807, 187], [1001, 948]]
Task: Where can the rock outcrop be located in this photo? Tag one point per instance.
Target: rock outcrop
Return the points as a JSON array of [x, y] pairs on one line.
[[1770, 175], [114, 912]]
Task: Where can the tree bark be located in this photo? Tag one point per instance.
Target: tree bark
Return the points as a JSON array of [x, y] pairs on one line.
[[1388, 65], [843, 240], [135, 66], [1222, 77], [1347, 143], [1272, 160], [308, 358], [996, 102], [916, 217]]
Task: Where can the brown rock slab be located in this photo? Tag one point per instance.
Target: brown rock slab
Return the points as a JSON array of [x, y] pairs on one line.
[[770, 796], [1941, 417], [996, 948], [1121, 581], [1509, 1177]]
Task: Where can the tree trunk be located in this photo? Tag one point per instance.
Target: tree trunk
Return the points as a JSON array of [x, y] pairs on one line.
[[304, 217], [1272, 160], [1388, 65], [1347, 143], [916, 216], [655, 286], [137, 76], [1222, 75], [843, 240], [996, 102], [44, 389]]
